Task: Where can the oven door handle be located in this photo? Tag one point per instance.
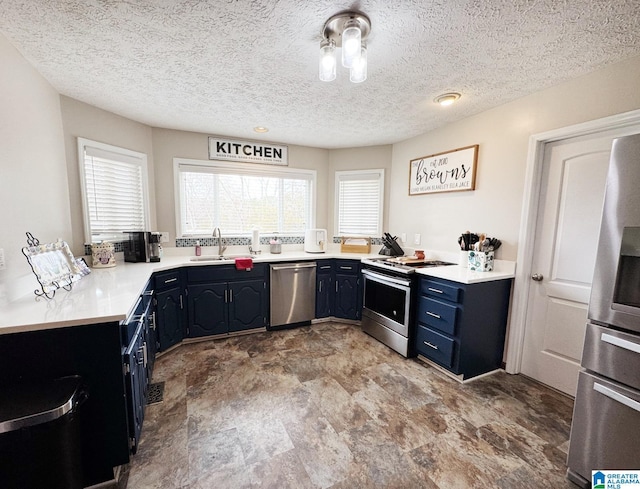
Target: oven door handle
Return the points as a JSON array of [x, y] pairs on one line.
[[386, 279]]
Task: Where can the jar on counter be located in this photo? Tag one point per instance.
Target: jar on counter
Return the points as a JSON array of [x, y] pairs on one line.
[[103, 255]]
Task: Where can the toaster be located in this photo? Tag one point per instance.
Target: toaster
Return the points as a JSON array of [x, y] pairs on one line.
[[315, 240]]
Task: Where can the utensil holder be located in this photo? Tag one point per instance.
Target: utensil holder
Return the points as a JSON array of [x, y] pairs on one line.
[[481, 261]]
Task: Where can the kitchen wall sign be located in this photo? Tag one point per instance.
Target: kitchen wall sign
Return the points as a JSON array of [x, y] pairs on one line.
[[452, 171], [247, 151]]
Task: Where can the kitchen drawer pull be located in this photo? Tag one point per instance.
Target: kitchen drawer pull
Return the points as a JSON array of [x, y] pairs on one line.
[[144, 353], [433, 315], [437, 291], [616, 396], [226, 296], [168, 281], [430, 345], [346, 268], [231, 295], [627, 345], [148, 293]]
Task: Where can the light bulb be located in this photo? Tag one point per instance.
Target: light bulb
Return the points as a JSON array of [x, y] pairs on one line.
[[358, 70], [351, 43], [327, 67]]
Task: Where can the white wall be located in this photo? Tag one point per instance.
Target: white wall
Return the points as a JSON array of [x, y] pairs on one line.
[[87, 121], [34, 195], [503, 135]]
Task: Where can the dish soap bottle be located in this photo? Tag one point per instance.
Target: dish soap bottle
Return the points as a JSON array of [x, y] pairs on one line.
[[198, 248]]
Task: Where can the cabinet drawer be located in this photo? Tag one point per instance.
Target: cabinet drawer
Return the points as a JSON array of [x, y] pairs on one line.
[[441, 290], [435, 346], [324, 266], [219, 273], [347, 267], [165, 280], [436, 314]]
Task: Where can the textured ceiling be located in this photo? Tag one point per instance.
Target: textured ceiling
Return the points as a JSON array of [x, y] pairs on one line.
[[225, 66]]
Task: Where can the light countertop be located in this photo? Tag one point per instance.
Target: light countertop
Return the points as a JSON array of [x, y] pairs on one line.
[[110, 294], [502, 270]]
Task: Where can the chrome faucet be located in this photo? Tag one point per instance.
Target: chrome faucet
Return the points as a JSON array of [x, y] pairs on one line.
[[218, 234]]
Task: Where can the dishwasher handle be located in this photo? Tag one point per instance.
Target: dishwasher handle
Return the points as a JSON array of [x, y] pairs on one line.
[[297, 266]]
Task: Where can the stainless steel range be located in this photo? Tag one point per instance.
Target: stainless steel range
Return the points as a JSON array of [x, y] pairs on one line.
[[390, 289]]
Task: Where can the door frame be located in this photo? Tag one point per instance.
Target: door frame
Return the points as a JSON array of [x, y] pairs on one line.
[[529, 218]]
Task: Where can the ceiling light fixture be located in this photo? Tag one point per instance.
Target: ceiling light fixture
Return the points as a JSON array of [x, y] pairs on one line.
[[347, 30], [447, 98], [260, 129]]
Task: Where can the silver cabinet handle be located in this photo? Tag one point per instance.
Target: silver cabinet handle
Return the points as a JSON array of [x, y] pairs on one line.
[[144, 353], [226, 295], [320, 287], [537, 277], [148, 292], [168, 281], [345, 268], [433, 315], [626, 344], [616, 396], [336, 286], [152, 321], [140, 360], [230, 295], [437, 291], [181, 305], [430, 345]]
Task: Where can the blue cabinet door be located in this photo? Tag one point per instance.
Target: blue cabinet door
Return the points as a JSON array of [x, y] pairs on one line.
[[169, 317], [347, 297], [136, 384], [325, 294], [207, 304], [247, 301]]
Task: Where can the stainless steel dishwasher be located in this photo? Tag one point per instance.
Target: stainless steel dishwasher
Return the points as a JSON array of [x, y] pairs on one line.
[[293, 293]]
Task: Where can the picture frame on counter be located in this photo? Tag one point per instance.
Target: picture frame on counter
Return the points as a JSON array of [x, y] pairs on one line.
[[451, 171]]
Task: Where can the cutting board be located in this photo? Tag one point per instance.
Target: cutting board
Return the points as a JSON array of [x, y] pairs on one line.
[[406, 259]]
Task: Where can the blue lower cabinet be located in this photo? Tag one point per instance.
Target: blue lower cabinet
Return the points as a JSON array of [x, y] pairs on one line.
[[347, 294], [222, 300], [136, 383], [169, 317], [462, 327], [207, 308], [247, 305], [348, 289], [436, 346]]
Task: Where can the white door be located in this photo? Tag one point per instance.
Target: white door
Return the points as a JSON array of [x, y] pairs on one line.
[[572, 192]]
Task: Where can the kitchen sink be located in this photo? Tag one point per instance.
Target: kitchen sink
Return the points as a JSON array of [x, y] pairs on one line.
[[217, 257]]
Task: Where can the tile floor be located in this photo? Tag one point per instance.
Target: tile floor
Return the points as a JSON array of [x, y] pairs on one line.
[[327, 406]]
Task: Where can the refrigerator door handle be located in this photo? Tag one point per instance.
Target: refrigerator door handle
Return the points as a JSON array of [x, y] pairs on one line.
[[616, 396], [627, 345]]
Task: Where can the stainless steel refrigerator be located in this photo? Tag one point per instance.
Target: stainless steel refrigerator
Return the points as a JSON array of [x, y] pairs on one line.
[[605, 432]]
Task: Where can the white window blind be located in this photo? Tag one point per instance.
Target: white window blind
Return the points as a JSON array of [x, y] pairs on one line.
[[237, 198], [114, 190], [359, 199]]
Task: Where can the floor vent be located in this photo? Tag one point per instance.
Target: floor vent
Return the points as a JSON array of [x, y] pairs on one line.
[[156, 393]]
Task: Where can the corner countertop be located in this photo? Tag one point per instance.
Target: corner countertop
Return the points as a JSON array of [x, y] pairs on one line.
[[503, 269], [110, 294]]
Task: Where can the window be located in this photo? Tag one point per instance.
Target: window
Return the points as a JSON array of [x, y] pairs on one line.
[[239, 197], [359, 197], [114, 190]]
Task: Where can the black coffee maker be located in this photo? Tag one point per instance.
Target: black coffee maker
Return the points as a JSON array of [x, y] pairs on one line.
[[142, 246]]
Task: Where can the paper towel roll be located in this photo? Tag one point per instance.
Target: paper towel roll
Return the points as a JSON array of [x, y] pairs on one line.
[[255, 239]]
